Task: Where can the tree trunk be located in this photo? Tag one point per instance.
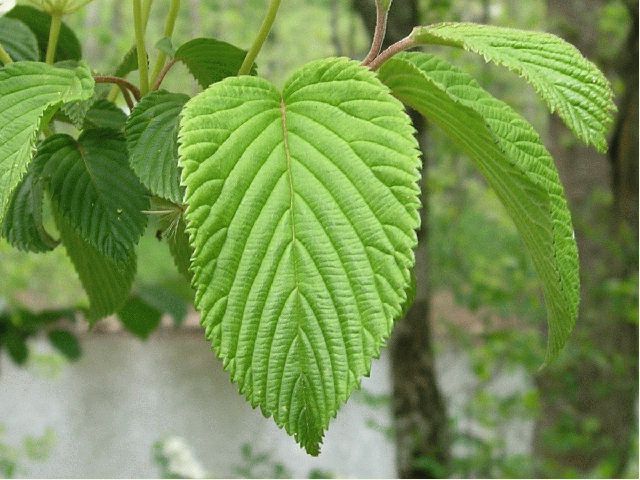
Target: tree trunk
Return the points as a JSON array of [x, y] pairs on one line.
[[420, 416], [589, 396]]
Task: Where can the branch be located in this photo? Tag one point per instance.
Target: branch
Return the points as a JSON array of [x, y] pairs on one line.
[[382, 14], [402, 45], [121, 82]]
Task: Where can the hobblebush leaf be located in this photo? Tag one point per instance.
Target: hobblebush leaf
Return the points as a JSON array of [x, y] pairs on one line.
[[302, 210], [104, 114], [152, 134], [66, 343], [511, 156], [570, 84], [18, 40], [139, 317], [94, 188], [28, 90], [39, 22], [165, 45], [106, 283], [210, 60], [22, 225]]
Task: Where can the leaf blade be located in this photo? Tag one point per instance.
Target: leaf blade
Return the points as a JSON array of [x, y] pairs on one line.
[[570, 85], [276, 196]]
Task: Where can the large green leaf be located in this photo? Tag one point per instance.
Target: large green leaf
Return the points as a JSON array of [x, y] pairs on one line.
[[28, 90], [302, 210], [22, 225], [106, 283], [104, 114], [210, 60], [18, 40], [571, 85], [510, 154], [152, 134], [39, 22], [95, 190]]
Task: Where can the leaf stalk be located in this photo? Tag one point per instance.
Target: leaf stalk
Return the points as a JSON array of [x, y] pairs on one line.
[[169, 26], [382, 15], [401, 46], [5, 58], [141, 49], [54, 34], [261, 37]]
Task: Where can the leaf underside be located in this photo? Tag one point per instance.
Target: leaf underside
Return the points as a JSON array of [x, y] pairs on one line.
[[510, 154], [94, 188], [28, 90], [570, 84], [152, 132], [302, 210]]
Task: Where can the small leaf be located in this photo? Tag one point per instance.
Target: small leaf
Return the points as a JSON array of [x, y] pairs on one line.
[[510, 154], [68, 47], [16, 345], [570, 84], [152, 141], [66, 343], [22, 225], [104, 114], [164, 299], [106, 283], [95, 190], [302, 207], [18, 40], [28, 90], [128, 64], [166, 45], [139, 317], [210, 60]]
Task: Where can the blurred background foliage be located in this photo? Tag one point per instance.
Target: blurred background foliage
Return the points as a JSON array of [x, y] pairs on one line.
[[485, 298]]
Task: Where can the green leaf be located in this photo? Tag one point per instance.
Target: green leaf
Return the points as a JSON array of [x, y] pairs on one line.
[[22, 225], [104, 114], [302, 210], [16, 346], [106, 283], [28, 90], [18, 40], [68, 47], [165, 45], [139, 317], [128, 64], [66, 343], [95, 190], [152, 136], [570, 84], [164, 299], [210, 60], [511, 156]]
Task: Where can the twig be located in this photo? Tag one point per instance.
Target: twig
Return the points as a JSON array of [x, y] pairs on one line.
[[121, 82], [404, 44], [162, 74], [127, 97], [379, 33]]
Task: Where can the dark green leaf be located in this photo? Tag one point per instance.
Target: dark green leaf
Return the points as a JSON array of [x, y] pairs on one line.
[[66, 343], [39, 22], [18, 40], [128, 64], [104, 114], [139, 317]]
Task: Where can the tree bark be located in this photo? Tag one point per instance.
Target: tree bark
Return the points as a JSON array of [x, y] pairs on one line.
[[589, 397], [421, 424]]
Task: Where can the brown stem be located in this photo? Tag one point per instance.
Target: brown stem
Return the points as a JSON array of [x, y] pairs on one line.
[[162, 74], [379, 33], [121, 82], [402, 45], [127, 97]]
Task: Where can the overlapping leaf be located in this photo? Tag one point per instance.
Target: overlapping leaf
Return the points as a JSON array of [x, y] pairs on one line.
[[95, 190], [570, 84], [106, 283], [22, 225], [68, 47], [18, 40], [210, 60], [510, 154], [302, 210], [27, 91], [104, 114], [152, 134]]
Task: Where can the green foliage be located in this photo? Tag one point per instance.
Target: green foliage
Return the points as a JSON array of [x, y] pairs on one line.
[[104, 114], [30, 91], [516, 165], [139, 317], [569, 84], [66, 343], [18, 40], [152, 134], [210, 60], [40, 22], [316, 209]]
